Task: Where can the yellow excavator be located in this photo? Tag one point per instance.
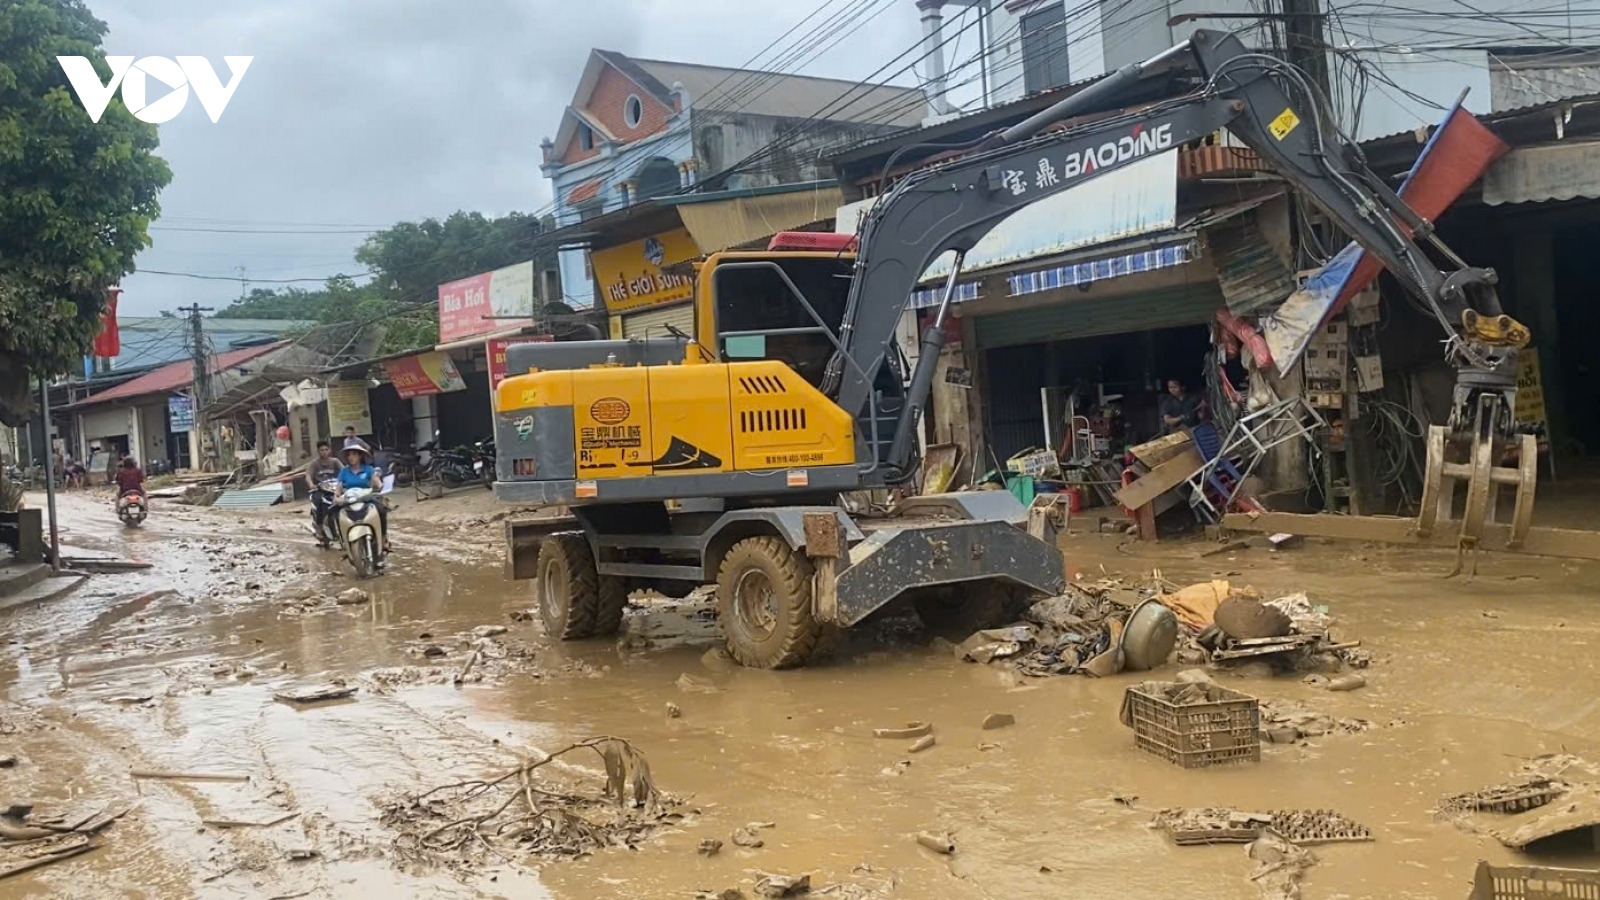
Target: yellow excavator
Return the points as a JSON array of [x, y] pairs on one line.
[[720, 457]]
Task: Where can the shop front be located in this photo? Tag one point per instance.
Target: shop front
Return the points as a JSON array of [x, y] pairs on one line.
[[645, 291]]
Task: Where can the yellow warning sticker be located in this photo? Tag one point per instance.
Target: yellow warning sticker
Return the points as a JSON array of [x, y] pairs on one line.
[[1286, 122]]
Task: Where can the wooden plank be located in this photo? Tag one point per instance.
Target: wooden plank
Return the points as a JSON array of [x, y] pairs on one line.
[[1154, 453], [1564, 543], [1161, 479]]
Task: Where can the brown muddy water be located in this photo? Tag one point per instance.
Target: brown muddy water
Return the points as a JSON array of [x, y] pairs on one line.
[[1469, 678]]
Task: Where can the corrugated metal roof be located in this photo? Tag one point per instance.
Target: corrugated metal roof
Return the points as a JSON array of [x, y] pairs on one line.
[[756, 93], [1248, 267], [175, 376], [1565, 171], [260, 496], [1491, 118]]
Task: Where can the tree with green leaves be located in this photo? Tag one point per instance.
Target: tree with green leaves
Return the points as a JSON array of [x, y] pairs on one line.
[[76, 196], [407, 264]]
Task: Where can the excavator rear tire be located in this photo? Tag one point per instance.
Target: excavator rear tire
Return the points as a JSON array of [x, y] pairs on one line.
[[764, 605], [567, 588]]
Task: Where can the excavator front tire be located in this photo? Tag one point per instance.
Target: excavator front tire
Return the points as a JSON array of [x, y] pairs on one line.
[[764, 605]]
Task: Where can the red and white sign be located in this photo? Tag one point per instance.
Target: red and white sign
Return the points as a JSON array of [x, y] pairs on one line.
[[423, 374], [493, 301], [497, 355]]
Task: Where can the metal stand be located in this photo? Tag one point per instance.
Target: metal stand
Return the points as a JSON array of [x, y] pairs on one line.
[[1244, 447]]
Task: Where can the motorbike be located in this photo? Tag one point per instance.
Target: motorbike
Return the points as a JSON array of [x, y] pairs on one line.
[[483, 461], [322, 507], [453, 468], [132, 508], [360, 530]]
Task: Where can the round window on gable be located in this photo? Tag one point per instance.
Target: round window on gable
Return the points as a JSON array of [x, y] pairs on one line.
[[633, 111]]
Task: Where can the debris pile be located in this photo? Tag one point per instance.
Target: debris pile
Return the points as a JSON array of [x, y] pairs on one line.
[[29, 841], [544, 807], [1214, 825], [1287, 722], [1096, 629], [1223, 623], [1544, 800]]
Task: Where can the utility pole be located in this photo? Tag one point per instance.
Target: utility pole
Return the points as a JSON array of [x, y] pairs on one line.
[[1305, 43], [202, 376], [50, 473]]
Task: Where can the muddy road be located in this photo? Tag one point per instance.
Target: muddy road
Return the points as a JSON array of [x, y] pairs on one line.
[[173, 670]]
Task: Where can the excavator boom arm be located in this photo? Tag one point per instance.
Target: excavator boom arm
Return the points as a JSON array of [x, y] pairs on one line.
[[1264, 102]]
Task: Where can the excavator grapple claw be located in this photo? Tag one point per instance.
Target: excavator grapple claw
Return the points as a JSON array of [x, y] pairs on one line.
[[1484, 461]]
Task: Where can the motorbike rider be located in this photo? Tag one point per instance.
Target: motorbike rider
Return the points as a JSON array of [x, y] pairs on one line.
[[359, 473], [129, 478], [321, 469]]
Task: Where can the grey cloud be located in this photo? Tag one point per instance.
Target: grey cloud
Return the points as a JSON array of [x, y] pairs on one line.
[[375, 111]]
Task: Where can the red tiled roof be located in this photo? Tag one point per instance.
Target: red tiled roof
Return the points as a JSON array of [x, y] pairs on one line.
[[174, 376], [586, 191]]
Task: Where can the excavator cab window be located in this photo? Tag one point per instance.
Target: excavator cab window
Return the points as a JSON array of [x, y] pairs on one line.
[[782, 308]]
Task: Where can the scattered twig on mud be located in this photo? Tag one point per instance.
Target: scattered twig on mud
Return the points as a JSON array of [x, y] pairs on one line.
[[234, 823], [186, 776], [472, 660], [292, 896], [510, 812], [29, 865]]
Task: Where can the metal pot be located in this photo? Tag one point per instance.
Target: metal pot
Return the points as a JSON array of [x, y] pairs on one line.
[[1150, 635]]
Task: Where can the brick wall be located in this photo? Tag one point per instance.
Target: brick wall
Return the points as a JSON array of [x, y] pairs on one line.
[[606, 106]]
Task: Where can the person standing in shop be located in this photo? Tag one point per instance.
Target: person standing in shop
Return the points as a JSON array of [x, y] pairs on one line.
[[1179, 409]]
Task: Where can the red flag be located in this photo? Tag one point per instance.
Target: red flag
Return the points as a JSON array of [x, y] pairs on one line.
[[108, 344], [1459, 152]]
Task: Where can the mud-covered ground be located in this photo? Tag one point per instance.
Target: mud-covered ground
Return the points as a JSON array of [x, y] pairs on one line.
[[173, 670]]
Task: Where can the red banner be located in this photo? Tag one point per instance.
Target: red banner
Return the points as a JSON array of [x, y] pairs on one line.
[[408, 378], [464, 308], [497, 356], [108, 343], [1457, 154]]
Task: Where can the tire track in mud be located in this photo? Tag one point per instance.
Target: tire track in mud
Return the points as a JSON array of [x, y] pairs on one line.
[[133, 634]]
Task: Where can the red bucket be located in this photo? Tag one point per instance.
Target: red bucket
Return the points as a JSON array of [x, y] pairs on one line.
[[1074, 499]]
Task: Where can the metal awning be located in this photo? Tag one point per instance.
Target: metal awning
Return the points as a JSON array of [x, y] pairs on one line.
[[1567, 171], [717, 224], [477, 340]]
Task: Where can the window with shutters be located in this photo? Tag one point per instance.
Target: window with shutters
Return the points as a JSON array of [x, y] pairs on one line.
[[1044, 49]]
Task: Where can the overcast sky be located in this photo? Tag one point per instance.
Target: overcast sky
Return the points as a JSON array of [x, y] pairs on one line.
[[361, 113]]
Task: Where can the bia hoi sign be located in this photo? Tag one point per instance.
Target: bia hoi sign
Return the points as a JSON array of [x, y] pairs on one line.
[[486, 303]]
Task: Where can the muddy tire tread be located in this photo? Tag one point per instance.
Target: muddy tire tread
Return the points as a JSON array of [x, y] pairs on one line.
[[792, 588], [583, 588], [611, 600]]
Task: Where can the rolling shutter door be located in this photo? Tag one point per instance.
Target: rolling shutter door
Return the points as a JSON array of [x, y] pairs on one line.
[[104, 423], [654, 322], [1192, 304]]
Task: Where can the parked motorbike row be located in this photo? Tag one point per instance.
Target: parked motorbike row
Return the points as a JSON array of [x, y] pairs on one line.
[[455, 467]]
